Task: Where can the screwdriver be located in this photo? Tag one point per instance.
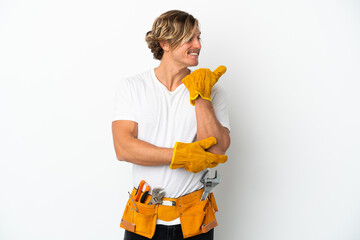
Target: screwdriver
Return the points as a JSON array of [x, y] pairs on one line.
[[133, 202]]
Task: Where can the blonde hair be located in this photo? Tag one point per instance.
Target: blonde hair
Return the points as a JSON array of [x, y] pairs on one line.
[[175, 26]]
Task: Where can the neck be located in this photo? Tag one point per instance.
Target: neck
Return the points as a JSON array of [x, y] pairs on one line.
[[170, 75]]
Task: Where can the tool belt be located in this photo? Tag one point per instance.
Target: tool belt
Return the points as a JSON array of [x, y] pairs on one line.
[[196, 216]]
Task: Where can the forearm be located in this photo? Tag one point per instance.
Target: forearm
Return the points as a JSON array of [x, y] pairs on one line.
[[130, 149], [143, 153], [209, 126]]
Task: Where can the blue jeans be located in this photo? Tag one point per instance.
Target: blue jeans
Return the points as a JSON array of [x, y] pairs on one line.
[[169, 233]]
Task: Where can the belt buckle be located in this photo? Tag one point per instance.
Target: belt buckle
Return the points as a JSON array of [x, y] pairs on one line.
[[168, 203]]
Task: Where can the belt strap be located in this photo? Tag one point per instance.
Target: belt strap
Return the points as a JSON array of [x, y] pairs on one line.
[[169, 213]]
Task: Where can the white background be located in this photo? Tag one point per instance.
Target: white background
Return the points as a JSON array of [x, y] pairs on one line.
[[293, 93]]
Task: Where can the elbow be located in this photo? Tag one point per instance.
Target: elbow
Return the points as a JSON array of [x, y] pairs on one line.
[[226, 147], [225, 144], [120, 153], [120, 157], [220, 147]]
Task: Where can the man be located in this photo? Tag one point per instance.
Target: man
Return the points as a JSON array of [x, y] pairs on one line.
[[172, 125]]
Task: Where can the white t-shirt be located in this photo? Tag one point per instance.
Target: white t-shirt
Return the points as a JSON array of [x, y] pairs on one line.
[[163, 118]]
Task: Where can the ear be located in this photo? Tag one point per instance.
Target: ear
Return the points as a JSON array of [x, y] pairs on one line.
[[165, 46]]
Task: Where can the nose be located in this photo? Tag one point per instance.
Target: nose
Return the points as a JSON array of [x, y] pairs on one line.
[[196, 43]]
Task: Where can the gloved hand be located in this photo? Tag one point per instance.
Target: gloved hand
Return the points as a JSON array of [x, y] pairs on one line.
[[194, 158], [201, 81]]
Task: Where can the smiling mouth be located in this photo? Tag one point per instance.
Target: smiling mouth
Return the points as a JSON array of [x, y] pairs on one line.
[[194, 52]]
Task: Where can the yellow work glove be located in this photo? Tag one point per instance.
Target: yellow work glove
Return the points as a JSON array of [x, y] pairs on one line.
[[201, 81], [194, 158]]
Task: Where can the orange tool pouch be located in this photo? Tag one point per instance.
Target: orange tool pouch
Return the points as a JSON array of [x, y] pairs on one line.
[[196, 216]]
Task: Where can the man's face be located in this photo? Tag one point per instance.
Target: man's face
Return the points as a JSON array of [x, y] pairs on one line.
[[187, 54]]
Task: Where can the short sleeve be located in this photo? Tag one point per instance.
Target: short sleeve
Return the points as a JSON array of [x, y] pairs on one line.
[[124, 108], [219, 102]]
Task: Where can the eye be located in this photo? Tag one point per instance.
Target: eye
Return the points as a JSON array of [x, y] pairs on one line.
[[191, 39]]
